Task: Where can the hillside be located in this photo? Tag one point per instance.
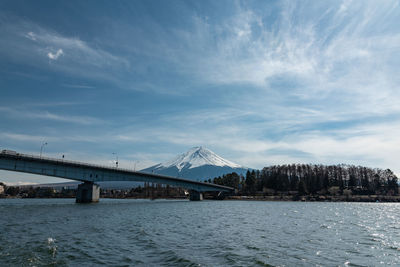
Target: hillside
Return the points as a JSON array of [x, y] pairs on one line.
[[197, 164]]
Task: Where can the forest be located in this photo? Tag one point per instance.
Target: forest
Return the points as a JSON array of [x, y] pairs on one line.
[[306, 179]]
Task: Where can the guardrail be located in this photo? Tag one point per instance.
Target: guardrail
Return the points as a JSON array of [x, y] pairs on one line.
[[15, 154]]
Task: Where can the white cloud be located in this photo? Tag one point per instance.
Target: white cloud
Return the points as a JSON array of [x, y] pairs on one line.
[[28, 43], [327, 55], [26, 137], [34, 114], [83, 86], [278, 141], [31, 35], [55, 56], [66, 118], [80, 52], [56, 138], [328, 63]]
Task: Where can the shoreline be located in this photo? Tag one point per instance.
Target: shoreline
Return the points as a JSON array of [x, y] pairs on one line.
[[295, 198], [324, 198]]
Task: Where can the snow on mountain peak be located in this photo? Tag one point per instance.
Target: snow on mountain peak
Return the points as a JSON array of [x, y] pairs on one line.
[[196, 157]]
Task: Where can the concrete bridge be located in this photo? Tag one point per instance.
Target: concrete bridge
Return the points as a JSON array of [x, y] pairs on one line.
[[89, 174]]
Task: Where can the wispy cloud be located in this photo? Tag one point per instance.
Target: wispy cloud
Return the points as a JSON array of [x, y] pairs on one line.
[[258, 143], [53, 104], [55, 56], [27, 137], [33, 114], [81, 86], [333, 66], [80, 52], [261, 83], [31, 35], [330, 53], [31, 44], [66, 118]]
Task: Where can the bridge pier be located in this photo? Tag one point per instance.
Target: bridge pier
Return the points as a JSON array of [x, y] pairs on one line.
[[88, 192], [195, 195]]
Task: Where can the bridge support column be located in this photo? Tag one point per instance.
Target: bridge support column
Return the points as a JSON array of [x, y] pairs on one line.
[[195, 195], [88, 192]]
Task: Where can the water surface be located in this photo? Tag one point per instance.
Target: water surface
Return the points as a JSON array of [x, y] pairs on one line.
[[58, 232]]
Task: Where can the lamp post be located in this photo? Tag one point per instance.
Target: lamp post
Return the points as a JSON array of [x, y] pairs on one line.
[[41, 148], [116, 162]]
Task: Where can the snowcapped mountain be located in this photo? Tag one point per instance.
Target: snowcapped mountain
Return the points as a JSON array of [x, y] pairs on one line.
[[198, 164]]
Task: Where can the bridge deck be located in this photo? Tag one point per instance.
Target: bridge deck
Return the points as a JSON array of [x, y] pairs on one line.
[[86, 172]]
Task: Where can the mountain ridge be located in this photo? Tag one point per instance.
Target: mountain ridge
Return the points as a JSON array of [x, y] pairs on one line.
[[198, 163]]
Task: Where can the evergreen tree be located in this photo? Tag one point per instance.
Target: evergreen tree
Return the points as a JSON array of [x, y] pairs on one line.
[[302, 188], [250, 181]]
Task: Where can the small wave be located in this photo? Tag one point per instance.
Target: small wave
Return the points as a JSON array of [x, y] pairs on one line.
[[261, 263], [172, 258], [252, 248], [51, 243], [324, 226]]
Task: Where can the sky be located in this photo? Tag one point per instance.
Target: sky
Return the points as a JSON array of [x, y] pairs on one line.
[[257, 82]]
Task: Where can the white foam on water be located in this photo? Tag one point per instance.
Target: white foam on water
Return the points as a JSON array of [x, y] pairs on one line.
[[51, 242]]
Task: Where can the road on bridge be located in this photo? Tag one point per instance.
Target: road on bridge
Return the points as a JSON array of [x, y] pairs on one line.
[[89, 174]]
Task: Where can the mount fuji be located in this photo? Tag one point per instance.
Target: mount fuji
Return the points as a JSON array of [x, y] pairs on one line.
[[197, 164]]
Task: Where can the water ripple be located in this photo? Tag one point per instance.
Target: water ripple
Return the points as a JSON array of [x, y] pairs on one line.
[[58, 232]]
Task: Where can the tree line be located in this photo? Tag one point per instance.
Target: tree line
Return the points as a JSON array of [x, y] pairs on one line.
[[313, 179]]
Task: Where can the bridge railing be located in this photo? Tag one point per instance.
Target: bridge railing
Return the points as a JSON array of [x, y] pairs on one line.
[[12, 154], [62, 161]]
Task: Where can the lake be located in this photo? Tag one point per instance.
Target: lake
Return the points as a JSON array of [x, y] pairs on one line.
[[115, 232]]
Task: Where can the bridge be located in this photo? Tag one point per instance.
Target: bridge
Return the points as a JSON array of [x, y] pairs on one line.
[[89, 174]]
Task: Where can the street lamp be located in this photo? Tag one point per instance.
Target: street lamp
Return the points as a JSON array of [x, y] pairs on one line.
[[116, 162], [41, 149]]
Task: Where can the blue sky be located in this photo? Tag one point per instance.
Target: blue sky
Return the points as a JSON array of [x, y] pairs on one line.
[[257, 82]]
